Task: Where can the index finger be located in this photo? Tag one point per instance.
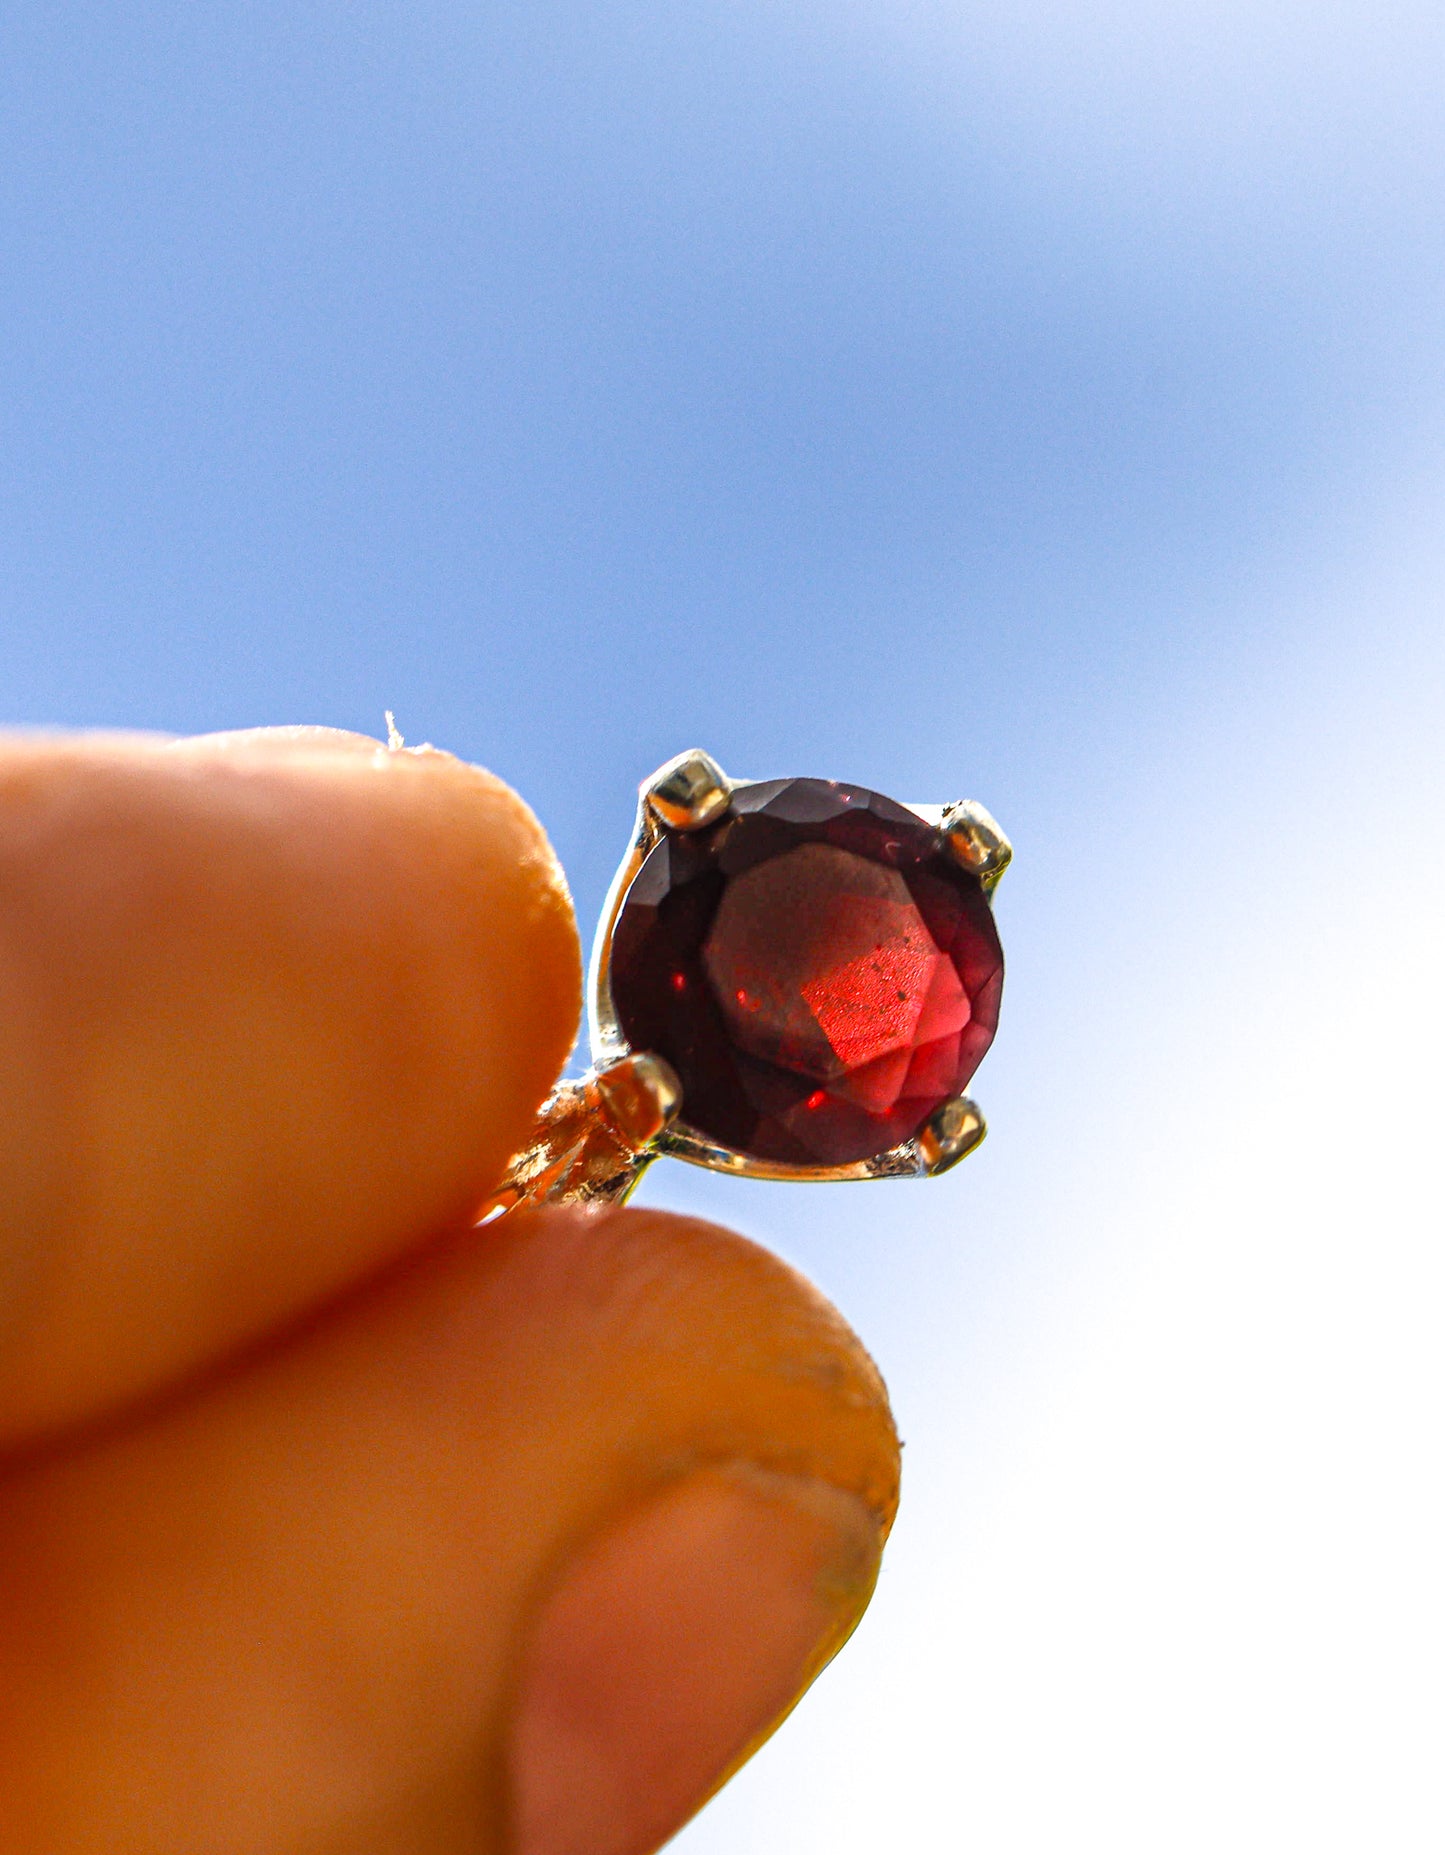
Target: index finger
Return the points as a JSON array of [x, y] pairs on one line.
[[276, 1007]]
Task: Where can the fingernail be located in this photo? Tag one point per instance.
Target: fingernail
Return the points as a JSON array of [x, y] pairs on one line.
[[671, 1647]]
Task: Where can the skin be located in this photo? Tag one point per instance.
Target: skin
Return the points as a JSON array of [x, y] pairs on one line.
[[327, 1521]]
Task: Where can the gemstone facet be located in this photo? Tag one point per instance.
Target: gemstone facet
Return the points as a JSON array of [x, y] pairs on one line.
[[818, 968]]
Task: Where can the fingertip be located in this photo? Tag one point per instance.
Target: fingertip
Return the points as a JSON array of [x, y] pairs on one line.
[[283, 1002], [586, 1498], [672, 1647], [691, 1324]]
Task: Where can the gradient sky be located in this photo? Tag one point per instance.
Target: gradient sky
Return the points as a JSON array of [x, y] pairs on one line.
[[1032, 402]]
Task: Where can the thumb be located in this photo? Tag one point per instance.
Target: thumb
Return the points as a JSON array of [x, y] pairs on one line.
[[517, 1551]]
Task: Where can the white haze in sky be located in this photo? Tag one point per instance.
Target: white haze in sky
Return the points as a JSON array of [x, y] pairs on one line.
[[1168, 1574], [1168, 1352]]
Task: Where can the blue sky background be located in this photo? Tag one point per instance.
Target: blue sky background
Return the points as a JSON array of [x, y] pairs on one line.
[[1039, 403]]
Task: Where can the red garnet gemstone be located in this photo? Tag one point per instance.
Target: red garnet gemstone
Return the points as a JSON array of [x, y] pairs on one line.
[[817, 968]]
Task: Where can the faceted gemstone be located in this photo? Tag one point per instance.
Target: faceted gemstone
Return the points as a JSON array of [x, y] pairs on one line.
[[818, 969]]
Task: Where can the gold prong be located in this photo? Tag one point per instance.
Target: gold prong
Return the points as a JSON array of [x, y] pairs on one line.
[[640, 1094], [690, 792], [950, 1134], [976, 840]]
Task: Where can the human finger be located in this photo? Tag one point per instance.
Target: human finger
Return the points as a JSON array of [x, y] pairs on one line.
[[520, 1549], [277, 1005]]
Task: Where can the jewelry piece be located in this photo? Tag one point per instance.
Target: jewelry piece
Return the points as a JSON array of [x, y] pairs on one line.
[[792, 979]]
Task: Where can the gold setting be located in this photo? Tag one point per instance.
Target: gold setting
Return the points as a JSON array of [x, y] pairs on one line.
[[640, 1095], [949, 1134], [977, 842], [689, 793], [595, 1136]]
